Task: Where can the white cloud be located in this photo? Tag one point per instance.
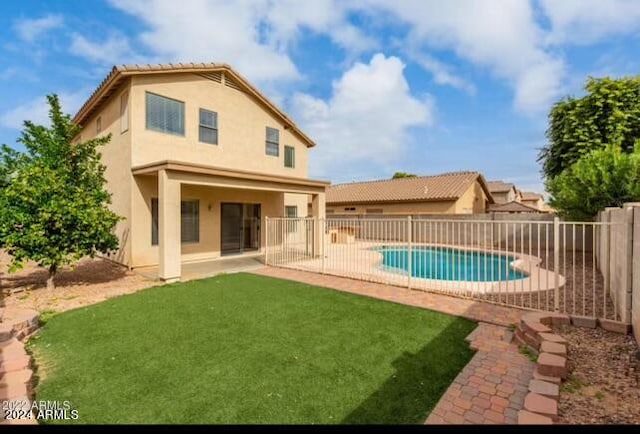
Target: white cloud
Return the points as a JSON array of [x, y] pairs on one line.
[[288, 18], [442, 73], [500, 35], [37, 110], [587, 21], [366, 120], [115, 49], [30, 29], [212, 31]]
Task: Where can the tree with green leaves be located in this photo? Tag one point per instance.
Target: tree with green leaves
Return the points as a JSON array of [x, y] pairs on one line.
[[399, 175], [53, 200], [609, 114], [601, 178]]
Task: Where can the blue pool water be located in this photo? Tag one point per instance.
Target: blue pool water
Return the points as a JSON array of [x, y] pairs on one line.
[[450, 264]]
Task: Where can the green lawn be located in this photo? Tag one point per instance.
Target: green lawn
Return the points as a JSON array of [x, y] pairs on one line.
[[243, 348]]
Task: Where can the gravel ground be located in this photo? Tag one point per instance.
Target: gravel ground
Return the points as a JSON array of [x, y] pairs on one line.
[[91, 281], [604, 384]]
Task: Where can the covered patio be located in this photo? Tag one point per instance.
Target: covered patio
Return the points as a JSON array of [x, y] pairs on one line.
[[199, 214]]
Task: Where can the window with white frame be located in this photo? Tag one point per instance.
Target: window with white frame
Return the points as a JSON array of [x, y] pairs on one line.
[[164, 114], [272, 142], [289, 156], [208, 127], [291, 211]]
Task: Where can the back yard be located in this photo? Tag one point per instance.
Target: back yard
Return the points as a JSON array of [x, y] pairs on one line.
[[244, 348]]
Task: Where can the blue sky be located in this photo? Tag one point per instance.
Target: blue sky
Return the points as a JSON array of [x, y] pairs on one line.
[[382, 85]]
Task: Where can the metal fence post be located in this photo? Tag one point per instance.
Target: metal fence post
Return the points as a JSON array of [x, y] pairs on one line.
[[266, 241], [322, 224], [409, 260], [556, 263]]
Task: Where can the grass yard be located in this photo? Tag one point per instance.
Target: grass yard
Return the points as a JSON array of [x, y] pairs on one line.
[[242, 348]]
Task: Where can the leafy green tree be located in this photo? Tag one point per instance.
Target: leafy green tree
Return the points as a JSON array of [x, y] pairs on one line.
[[601, 178], [399, 175], [54, 204], [608, 114]]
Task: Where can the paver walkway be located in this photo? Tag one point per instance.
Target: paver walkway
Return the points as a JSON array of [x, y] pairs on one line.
[[492, 387]]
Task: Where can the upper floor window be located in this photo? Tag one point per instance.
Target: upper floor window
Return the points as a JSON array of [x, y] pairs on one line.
[[124, 112], [289, 156], [273, 142], [98, 124], [164, 114], [208, 129]]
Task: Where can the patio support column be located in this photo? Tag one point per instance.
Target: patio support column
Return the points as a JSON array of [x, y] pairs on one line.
[[318, 213], [169, 227]]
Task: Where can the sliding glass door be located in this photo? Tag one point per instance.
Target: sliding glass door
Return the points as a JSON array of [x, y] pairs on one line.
[[239, 227]]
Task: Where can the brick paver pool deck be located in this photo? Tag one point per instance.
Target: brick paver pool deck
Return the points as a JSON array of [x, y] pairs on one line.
[[492, 387]]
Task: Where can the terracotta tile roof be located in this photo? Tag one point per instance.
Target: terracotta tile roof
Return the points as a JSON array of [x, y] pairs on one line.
[[499, 186], [512, 206], [530, 195], [118, 73], [443, 187]]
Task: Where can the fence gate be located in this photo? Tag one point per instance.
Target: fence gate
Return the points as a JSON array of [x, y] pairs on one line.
[[547, 265]]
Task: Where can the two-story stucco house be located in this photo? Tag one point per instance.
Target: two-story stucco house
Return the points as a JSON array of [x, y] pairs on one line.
[[197, 160]]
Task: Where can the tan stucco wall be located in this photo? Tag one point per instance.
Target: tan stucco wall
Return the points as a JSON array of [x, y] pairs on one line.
[[301, 201], [505, 197], [143, 253], [241, 127], [116, 156], [398, 208], [473, 201], [537, 204]]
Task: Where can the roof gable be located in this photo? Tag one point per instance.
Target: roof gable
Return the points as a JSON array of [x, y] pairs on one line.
[[119, 74]]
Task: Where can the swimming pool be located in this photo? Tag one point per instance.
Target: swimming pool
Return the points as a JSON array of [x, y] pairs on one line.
[[450, 264]]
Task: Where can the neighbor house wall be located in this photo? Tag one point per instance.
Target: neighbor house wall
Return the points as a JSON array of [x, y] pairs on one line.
[[444, 207], [116, 156], [241, 127], [473, 201]]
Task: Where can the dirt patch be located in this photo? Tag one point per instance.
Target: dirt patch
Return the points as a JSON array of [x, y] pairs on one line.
[[603, 386], [89, 282]]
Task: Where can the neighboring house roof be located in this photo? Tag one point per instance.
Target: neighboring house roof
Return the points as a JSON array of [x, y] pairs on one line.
[[499, 186], [444, 187], [119, 73], [512, 206], [530, 195]]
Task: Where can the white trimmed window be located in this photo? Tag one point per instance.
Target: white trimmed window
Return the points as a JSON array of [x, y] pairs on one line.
[[164, 114], [208, 127], [291, 211], [272, 142], [289, 157]]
